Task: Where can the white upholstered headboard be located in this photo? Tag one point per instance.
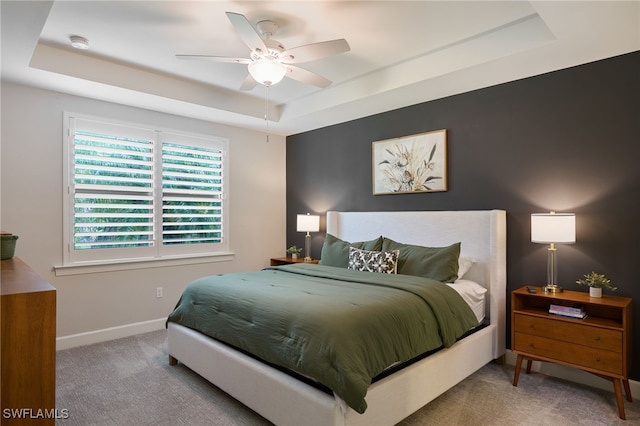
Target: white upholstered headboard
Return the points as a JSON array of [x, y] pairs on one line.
[[482, 234]]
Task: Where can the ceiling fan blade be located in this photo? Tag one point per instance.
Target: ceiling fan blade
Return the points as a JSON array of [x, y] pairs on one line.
[[247, 33], [307, 77], [216, 59], [311, 52], [248, 83]]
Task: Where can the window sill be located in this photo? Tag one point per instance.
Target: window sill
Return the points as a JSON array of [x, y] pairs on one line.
[[129, 264]]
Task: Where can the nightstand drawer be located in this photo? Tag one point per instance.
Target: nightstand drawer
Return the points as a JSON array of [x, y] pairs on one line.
[[601, 360], [570, 332]]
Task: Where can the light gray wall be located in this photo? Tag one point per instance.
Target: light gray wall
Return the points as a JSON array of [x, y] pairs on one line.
[[31, 207]]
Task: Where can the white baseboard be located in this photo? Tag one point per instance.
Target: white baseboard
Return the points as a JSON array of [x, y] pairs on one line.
[[112, 333], [572, 374]]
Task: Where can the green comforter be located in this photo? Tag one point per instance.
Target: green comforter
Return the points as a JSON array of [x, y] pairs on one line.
[[338, 326]]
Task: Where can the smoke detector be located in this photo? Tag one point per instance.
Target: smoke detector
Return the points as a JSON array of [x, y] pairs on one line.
[[79, 42]]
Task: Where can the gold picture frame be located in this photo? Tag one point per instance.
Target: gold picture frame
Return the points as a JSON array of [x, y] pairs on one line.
[[410, 164]]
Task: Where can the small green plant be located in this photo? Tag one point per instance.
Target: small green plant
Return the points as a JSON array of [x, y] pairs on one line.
[[597, 281], [294, 250]]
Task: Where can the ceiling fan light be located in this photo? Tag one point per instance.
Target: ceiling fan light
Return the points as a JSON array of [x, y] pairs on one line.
[[267, 71]]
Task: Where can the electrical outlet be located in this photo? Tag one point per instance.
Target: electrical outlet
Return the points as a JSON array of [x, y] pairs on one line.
[[158, 292]]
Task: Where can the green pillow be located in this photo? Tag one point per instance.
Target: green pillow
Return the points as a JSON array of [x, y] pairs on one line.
[[438, 263], [335, 252]]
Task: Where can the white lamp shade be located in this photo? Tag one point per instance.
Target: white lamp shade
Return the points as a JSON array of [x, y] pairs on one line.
[[559, 228], [267, 71], [308, 223]]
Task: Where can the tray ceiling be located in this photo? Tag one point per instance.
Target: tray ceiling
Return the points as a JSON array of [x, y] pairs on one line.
[[402, 53]]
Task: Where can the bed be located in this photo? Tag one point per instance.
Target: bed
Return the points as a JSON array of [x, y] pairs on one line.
[[284, 399]]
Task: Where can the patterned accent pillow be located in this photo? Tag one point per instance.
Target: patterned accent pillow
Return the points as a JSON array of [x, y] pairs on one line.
[[373, 261]]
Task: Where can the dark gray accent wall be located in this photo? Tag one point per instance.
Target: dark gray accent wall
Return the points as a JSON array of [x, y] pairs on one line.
[[567, 141]]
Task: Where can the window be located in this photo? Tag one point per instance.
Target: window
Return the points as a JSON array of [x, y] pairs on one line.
[[141, 194]]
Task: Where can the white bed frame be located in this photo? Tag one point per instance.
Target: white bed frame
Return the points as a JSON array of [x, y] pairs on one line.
[[284, 400]]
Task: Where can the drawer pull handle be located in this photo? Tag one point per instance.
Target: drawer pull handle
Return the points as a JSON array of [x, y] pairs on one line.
[[598, 359], [597, 338]]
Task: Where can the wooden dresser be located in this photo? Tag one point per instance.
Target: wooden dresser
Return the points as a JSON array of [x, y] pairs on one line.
[[600, 343], [28, 315]]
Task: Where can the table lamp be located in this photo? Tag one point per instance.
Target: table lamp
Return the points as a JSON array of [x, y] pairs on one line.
[[553, 228], [308, 223]]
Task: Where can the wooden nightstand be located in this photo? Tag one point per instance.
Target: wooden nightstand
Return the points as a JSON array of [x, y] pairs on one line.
[[600, 343], [277, 261]]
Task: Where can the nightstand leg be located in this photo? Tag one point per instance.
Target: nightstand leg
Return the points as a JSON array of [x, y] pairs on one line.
[[627, 389], [619, 401], [529, 366], [516, 374]]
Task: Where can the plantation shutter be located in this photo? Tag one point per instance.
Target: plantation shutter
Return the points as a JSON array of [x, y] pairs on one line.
[[113, 187], [136, 193], [192, 194]]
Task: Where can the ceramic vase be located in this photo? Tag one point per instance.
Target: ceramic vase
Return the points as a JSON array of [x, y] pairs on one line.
[[595, 292]]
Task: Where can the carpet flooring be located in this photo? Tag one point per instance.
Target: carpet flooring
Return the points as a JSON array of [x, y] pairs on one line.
[[130, 382]]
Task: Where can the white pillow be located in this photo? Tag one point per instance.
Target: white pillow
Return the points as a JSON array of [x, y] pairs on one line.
[[464, 264], [472, 293]]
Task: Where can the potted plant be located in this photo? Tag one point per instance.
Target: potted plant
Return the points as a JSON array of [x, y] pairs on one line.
[[294, 252], [596, 283], [8, 246]]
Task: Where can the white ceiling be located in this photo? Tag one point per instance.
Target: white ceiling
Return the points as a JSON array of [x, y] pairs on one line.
[[402, 53]]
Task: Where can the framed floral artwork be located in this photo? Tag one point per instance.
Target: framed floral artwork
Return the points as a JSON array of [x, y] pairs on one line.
[[410, 164]]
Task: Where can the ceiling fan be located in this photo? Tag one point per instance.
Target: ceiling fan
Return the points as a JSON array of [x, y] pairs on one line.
[[269, 61]]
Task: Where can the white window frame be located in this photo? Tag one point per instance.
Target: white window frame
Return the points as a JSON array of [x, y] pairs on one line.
[[158, 254]]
